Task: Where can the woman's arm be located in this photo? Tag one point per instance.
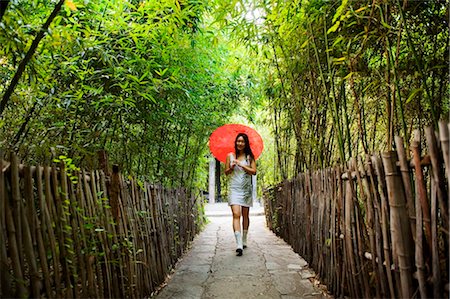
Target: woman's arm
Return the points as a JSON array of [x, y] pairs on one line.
[[228, 167], [250, 169]]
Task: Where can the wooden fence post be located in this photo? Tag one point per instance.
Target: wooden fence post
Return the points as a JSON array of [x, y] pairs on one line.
[[103, 161], [406, 176], [115, 191], [400, 231], [5, 277]]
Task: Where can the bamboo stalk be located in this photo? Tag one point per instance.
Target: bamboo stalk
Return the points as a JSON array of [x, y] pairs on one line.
[[16, 206], [154, 261], [401, 234], [93, 258], [377, 222], [20, 289], [91, 192], [27, 233], [41, 228], [83, 217], [115, 239], [438, 176], [15, 228], [420, 264], [67, 238], [340, 221], [124, 265], [352, 272], [445, 146], [48, 208], [367, 199], [436, 278], [406, 177], [384, 213], [5, 277], [78, 242], [421, 188], [309, 244], [357, 242]]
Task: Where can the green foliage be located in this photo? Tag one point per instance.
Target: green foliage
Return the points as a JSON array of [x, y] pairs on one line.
[[147, 81], [342, 77]]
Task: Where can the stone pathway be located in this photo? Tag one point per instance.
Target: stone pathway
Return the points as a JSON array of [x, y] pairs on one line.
[[268, 269]]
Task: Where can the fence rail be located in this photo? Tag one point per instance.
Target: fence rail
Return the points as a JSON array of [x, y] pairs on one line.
[[376, 228], [69, 233]]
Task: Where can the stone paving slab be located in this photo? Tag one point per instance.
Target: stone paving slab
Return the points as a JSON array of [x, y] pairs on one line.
[[269, 267]]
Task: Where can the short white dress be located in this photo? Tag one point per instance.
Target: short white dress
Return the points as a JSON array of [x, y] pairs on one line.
[[240, 186]]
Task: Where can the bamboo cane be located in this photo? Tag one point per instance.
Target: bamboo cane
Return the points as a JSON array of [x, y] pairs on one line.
[[114, 290], [48, 207], [15, 196], [400, 231], [20, 290], [14, 246], [406, 177], [78, 242], [156, 251], [377, 222], [41, 229], [35, 279], [436, 278], [5, 276], [355, 227], [367, 199], [420, 264], [421, 188], [308, 216], [384, 216], [352, 273], [438, 176], [444, 137], [105, 271], [72, 288]]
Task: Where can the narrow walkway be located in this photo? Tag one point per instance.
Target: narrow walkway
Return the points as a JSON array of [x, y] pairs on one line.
[[268, 269]]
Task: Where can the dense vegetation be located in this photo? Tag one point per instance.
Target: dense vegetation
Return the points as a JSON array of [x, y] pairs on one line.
[[145, 80], [149, 80], [345, 76]]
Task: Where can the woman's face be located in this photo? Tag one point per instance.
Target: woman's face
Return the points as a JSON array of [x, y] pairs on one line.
[[240, 143]]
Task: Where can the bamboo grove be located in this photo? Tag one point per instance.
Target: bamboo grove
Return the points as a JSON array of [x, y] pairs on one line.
[[144, 80], [345, 76]]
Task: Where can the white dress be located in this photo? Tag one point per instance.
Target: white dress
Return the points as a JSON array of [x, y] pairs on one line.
[[240, 186]]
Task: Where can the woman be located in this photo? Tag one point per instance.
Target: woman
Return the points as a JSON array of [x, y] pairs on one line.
[[241, 165]]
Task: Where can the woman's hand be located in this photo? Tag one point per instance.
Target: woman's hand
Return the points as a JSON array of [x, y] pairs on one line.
[[229, 165]]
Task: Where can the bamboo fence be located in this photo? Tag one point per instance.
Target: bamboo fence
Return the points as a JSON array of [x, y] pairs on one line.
[[376, 228], [88, 234]]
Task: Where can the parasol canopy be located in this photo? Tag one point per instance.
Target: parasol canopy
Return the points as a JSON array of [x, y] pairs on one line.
[[221, 141]]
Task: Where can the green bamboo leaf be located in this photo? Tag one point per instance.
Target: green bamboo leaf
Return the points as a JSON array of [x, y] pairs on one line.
[[386, 25], [361, 9], [340, 10], [349, 75], [305, 43], [334, 27], [413, 94]]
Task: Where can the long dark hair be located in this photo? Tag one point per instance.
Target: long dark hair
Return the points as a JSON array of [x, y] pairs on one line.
[[247, 149]]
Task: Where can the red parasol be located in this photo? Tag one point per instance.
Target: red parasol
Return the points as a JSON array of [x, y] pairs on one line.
[[221, 141]]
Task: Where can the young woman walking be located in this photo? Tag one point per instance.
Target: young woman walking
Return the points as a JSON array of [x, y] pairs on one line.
[[241, 165]]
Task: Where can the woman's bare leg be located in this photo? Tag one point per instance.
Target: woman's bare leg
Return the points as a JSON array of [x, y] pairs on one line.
[[245, 218], [237, 228], [236, 217], [245, 224]]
